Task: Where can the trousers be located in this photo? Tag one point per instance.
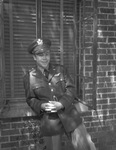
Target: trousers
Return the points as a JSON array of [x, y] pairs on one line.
[[79, 138]]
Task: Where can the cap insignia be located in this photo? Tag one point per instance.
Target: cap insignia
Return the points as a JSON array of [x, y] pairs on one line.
[[39, 42]]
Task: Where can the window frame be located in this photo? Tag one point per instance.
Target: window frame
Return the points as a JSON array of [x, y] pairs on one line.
[[13, 103]]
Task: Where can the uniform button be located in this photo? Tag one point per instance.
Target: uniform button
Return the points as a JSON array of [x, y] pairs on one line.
[[51, 90], [49, 83], [36, 87], [54, 96]]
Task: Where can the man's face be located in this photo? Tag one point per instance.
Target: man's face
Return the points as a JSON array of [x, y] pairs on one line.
[[42, 59]]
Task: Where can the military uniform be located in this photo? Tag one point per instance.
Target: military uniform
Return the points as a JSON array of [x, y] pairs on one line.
[[54, 84], [57, 86]]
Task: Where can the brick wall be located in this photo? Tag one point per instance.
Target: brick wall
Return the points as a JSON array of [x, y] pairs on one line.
[[22, 134], [15, 134], [101, 124]]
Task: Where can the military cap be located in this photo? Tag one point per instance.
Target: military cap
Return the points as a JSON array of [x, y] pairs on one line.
[[40, 45]]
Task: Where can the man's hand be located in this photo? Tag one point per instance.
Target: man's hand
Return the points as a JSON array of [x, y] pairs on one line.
[[57, 105], [52, 106], [49, 107]]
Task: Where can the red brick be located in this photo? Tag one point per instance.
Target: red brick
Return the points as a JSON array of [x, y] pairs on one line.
[[112, 100], [9, 132], [111, 51], [18, 138], [102, 62], [112, 62], [6, 120], [112, 3], [113, 16], [112, 111], [103, 4], [88, 69], [95, 124], [106, 22], [110, 95], [87, 124], [89, 57], [4, 139], [88, 45], [107, 10], [109, 106], [88, 63], [112, 73], [87, 118], [21, 148], [102, 51], [92, 130], [10, 144], [106, 117], [106, 57], [103, 28], [98, 107], [88, 51], [17, 125], [104, 90], [5, 126], [100, 85], [109, 34], [103, 39], [104, 79], [88, 3], [102, 101], [112, 39], [112, 28]]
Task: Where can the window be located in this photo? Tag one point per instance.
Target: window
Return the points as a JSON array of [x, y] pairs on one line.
[[19, 30], [58, 22]]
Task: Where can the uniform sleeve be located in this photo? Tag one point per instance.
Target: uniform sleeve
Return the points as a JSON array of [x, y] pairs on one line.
[[31, 98], [69, 94]]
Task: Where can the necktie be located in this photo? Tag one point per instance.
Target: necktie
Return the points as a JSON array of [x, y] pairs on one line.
[[46, 73]]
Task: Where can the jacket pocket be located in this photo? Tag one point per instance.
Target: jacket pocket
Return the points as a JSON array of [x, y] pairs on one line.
[[43, 93]]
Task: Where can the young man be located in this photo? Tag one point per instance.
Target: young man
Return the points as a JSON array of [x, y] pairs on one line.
[[50, 92]]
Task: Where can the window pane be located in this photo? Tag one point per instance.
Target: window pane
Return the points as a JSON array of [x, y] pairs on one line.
[[20, 30], [51, 26]]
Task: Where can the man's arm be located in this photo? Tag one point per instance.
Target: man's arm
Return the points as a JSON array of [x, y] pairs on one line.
[[31, 100]]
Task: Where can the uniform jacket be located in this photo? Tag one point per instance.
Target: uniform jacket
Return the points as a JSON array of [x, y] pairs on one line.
[[57, 86]]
